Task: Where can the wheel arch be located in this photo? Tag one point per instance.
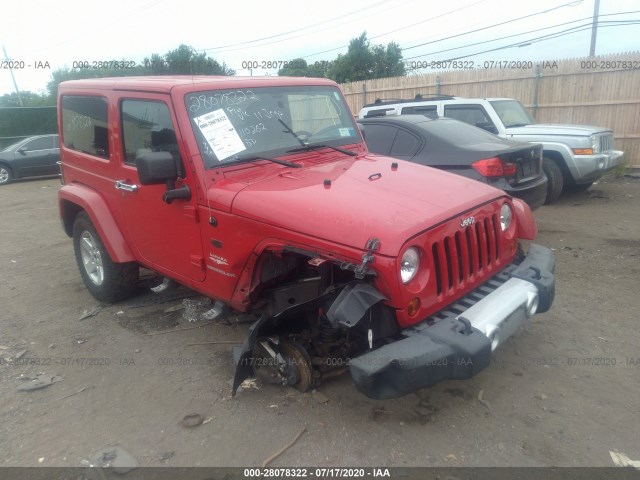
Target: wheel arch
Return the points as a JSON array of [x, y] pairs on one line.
[[72, 199], [12, 173], [559, 159]]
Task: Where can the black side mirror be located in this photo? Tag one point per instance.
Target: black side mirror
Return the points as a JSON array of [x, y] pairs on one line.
[[155, 168]]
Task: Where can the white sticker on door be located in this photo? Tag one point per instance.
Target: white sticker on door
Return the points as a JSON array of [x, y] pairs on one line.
[[220, 134]]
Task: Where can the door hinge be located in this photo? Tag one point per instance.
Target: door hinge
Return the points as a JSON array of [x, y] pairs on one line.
[[197, 261], [191, 212]]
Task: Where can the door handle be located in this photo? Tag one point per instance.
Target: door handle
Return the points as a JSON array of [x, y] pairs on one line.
[[120, 185]]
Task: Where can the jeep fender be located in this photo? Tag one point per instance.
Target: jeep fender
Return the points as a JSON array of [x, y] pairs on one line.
[[562, 155], [527, 228], [73, 198]]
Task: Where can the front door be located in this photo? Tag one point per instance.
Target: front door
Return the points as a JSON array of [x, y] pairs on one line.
[[38, 157], [166, 236]]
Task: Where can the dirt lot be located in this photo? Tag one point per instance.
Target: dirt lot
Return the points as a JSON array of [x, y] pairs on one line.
[[563, 391]]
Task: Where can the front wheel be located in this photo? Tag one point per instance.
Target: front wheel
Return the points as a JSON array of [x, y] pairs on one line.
[[106, 280], [555, 180], [5, 175]]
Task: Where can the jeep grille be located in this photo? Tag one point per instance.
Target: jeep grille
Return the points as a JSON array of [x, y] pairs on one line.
[[606, 143], [470, 252]]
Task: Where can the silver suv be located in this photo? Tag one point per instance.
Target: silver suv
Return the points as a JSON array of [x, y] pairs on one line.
[[574, 155]]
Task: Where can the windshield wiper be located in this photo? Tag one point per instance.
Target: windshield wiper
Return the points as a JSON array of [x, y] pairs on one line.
[[316, 147], [306, 147], [302, 142], [274, 160]]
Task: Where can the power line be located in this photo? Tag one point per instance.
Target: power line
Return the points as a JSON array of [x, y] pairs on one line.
[[427, 20], [570, 31], [572, 4], [517, 34], [295, 30], [397, 29]]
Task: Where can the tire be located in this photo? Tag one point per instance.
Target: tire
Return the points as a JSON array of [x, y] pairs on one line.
[[106, 280], [5, 175], [555, 180]]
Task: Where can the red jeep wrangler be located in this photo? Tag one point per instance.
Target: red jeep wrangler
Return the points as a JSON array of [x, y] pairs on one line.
[[260, 193]]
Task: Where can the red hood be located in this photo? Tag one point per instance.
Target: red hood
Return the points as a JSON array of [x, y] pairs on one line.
[[358, 205]]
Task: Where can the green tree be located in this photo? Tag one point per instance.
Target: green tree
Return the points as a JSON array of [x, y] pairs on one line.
[[29, 99], [184, 60], [298, 67], [364, 61], [356, 64], [388, 61]]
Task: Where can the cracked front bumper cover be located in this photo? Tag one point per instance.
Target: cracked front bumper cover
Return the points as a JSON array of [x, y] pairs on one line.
[[457, 342]]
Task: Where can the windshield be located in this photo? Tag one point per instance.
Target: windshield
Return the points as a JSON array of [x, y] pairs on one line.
[[242, 125], [12, 146], [512, 113]]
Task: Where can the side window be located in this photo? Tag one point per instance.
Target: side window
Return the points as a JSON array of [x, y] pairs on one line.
[[473, 115], [43, 143], [84, 125], [379, 138], [430, 111], [405, 144], [147, 127]]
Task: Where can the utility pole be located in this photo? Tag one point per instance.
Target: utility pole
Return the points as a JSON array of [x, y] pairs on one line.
[[15, 85], [594, 27]]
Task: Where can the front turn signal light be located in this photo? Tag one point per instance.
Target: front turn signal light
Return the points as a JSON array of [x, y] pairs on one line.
[[583, 151], [413, 307]]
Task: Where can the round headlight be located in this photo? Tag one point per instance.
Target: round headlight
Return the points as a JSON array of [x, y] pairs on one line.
[[505, 216], [409, 264]]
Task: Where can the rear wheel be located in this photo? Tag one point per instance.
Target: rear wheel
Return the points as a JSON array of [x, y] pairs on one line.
[[555, 180], [106, 280], [5, 174]]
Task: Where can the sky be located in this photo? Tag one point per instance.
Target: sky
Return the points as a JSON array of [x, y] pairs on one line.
[[51, 35]]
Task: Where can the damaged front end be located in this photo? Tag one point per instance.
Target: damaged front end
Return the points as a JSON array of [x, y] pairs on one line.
[[308, 342], [351, 327]]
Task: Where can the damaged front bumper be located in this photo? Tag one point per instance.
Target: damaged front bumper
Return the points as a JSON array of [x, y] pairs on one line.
[[457, 342]]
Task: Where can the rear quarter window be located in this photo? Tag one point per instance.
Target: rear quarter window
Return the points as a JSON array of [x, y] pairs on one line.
[[84, 125], [379, 138]]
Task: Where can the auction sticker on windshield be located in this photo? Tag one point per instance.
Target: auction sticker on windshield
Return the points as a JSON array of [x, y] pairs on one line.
[[220, 133]]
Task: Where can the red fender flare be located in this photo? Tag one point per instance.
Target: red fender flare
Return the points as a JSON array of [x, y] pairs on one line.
[[527, 228], [74, 198]]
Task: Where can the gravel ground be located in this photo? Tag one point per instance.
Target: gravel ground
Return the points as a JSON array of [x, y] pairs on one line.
[[563, 391]]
